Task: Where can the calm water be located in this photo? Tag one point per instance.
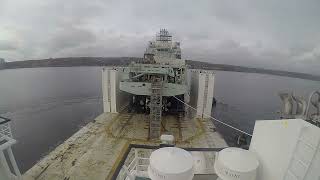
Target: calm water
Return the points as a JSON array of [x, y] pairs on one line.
[[47, 105]]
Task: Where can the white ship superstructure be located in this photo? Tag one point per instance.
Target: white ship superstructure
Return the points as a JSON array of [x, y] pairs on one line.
[[157, 125], [160, 84], [164, 49]]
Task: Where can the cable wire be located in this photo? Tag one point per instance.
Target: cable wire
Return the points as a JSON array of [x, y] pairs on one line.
[[215, 118]]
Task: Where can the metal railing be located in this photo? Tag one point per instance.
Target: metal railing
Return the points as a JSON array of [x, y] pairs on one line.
[[307, 113], [138, 166], [5, 129], [6, 141]]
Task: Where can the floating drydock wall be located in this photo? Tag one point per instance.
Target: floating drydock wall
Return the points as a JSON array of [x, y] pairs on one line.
[[114, 100], [200, 96], [201, 83]]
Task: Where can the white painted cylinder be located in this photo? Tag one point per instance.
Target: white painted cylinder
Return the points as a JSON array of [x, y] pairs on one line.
[[236, 164], [171, 163]]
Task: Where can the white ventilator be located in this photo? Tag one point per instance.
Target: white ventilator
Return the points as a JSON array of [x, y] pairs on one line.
[[236, 164], [171, 163]]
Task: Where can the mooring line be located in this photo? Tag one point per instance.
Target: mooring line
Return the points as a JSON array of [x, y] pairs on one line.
[[230, 126]]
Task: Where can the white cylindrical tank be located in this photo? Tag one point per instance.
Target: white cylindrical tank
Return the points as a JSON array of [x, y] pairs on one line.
[[236, 164], [171, 163]]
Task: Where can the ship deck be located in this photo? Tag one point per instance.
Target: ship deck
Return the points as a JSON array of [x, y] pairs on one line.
[[95, 151]]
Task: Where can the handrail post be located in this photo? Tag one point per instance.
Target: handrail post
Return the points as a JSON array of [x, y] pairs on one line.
[[14, 163], [136, 159]]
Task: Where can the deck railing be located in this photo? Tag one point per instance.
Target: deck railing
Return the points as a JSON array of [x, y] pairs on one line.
[[137, 167], [6, 141], [135, 161]]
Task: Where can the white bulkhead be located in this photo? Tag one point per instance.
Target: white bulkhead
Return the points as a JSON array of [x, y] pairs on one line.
[[287, 149], [201, 84], [114, 100]]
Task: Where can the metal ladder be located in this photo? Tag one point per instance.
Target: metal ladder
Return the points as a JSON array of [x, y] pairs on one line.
[[155, 108], [299, 167]]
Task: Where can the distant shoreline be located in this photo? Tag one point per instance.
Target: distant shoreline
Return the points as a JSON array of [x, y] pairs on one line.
[[118, 61]]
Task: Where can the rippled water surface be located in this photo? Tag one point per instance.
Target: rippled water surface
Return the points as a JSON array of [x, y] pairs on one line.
[[48, 105]]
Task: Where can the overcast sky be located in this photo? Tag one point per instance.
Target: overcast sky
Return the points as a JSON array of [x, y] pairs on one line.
[[278, 34]]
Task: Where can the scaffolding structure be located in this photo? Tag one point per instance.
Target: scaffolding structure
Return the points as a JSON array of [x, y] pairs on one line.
[[164, 35], [155, 108]]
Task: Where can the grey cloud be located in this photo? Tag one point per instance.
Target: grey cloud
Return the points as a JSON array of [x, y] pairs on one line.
[[272, 34], [111, 45], [70, 37], [8, 45]]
